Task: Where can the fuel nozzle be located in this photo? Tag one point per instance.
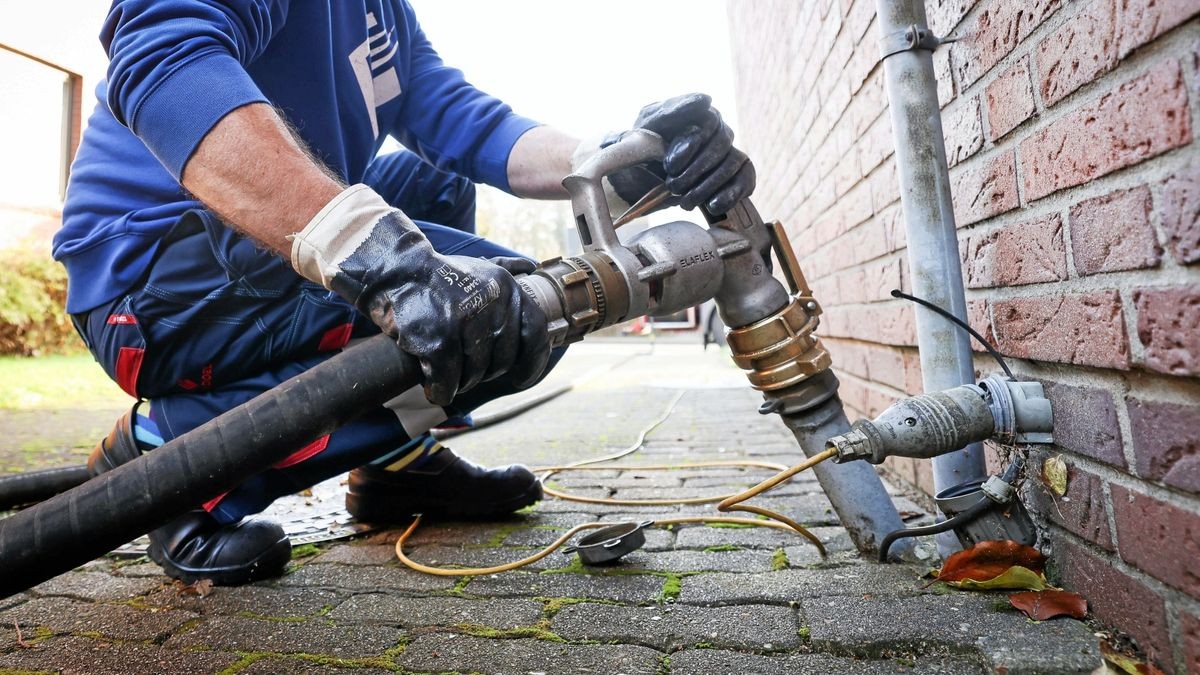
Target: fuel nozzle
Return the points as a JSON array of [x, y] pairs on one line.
[[941, 422]]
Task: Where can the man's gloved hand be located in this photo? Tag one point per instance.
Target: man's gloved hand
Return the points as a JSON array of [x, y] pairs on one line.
[[465, 319], [700, 167]]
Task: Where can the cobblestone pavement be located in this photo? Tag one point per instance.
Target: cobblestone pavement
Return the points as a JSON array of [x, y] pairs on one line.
[[696, 599]]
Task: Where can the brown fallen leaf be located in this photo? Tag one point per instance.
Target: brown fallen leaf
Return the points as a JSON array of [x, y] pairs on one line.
[[1015, 578], [1042, 605], [200, 587], [990, 559]]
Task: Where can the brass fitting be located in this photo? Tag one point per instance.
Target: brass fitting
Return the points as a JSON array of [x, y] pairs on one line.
[[782, 350]]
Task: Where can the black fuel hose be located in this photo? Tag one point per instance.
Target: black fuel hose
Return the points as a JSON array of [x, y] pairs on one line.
[[36, 486], [937, 528], [118, 506]]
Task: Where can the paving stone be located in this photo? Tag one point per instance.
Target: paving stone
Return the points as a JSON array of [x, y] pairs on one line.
[[84, 656], [260, 601], [64, 615], [698, 561], [752, 478], [357, 555], [357, 577], [719, 662], [142, 569], [703, 536], [656, 539], [308, 637], [97, 586], [1006, 639], [453, 556], [628, 588], [418, 612], [749, 627], [461, 653], [793, 584], [665, 480], [673, 493], [14, 600], [300, 666]]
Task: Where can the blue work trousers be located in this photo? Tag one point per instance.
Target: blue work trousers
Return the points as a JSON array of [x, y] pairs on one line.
[[218, 321]]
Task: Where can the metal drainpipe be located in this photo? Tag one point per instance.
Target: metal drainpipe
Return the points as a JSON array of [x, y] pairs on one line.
[[933, 258]]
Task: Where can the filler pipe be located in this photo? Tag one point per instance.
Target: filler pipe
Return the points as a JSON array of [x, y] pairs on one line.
[[933, 258]]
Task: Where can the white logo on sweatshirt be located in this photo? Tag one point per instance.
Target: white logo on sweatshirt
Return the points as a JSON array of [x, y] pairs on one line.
[[371, 60]]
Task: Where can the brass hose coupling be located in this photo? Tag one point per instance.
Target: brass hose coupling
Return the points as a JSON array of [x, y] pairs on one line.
[[782, 350]]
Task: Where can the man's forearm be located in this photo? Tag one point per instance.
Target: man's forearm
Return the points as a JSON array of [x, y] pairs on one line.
[[539, 161], [255, 175]]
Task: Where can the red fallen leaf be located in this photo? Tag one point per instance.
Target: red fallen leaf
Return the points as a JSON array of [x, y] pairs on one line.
[[989, 559], [1042, 605]]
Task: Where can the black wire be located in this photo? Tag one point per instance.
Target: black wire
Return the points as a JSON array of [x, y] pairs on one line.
[[957, 519], [896, 293]]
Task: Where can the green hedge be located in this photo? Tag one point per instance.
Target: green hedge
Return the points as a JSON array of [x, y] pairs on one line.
[[33, 315]]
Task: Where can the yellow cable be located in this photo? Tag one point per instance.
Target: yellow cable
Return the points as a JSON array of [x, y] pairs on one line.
[[726, 502]]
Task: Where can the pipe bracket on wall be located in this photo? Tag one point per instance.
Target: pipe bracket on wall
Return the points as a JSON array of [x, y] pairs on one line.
[[908, 39]]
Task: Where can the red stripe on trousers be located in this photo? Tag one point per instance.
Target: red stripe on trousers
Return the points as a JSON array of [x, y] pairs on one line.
[[129, 363]]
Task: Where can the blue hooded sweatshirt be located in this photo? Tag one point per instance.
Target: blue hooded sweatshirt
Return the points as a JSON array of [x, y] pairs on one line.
[[344, 73]]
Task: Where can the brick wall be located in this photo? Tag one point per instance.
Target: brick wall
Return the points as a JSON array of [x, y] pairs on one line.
[[1070, 130]]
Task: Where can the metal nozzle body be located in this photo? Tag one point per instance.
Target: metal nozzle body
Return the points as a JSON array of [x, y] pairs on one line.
[[922, 426]]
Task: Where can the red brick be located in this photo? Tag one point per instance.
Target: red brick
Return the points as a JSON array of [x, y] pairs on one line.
[[902, 468], [962, 130], [878, 280], [1168, 325], [1112, 232], [924, 476], [848, 355], [1141, 21], [885, 365], [1078, 52], [1085, 422], [983, 189], [1189, 633], [913, 383], [1080, 511], [885, 187], [1009, 99], [1116, 598], [1158, 538], [893, 227], [1025, 253], [979, 317], [1166, 442], [876, 145], [994, 33], [944, 15], [1140, 119], [1086, 329], [1179, 210], [944, 76], [888, 323]]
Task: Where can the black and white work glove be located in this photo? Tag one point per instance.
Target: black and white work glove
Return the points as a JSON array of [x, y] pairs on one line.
[[465, 319], [700, 166]]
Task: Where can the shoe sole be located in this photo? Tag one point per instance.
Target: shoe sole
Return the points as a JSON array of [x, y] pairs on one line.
[[268, 564], [392, 509]]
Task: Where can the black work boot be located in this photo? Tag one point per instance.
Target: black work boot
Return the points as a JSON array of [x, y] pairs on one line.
[[195, 546], [443, 486]]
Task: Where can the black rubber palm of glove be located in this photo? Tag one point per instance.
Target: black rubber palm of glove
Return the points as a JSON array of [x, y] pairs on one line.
[[465, 319], [700, 166]]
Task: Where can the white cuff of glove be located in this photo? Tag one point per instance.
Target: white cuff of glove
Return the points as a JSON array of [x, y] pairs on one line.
[[583, 152], [337, 231]]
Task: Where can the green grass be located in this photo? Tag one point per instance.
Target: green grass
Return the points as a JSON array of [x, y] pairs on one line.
[[44, 382]]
